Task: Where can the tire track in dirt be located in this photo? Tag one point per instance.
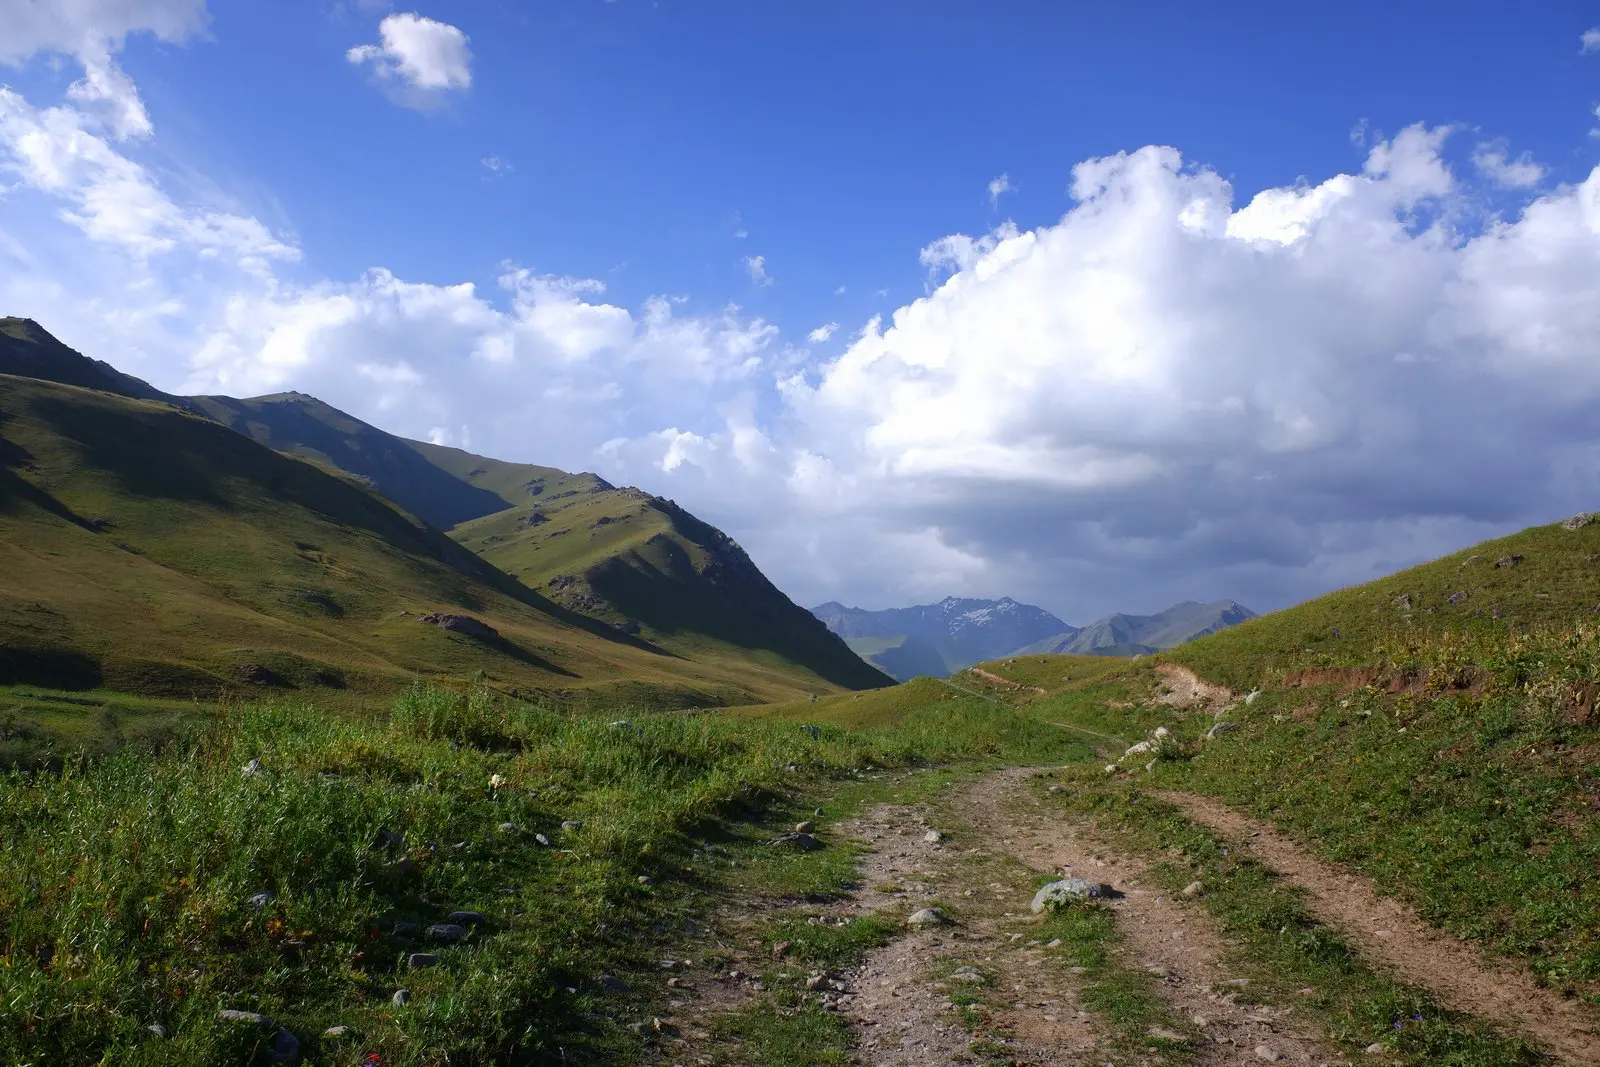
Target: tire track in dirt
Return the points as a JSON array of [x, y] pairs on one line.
[[1385, 930], [903, 1014], [1175, 941]]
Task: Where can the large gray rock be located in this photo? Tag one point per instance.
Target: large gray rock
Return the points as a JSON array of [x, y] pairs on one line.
[[1068, 893], [462, 624], [446, 933], [285, 1048], [928, 917]]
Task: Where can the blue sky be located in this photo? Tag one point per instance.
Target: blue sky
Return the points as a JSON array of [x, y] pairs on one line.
[[317, 219]]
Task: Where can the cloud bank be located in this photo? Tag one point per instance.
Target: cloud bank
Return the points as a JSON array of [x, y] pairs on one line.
[[1170, 391]]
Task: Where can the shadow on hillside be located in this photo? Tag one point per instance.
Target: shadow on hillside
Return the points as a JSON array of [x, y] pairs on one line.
[[730, 601]]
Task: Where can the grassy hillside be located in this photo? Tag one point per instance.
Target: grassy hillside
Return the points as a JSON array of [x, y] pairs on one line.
[[148, 551], [304, 426], [28, 350], [1437, 730], [1547, 576], [642, 564]]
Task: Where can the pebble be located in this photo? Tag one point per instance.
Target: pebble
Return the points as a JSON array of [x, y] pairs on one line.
[[157, 1029], [401, 998], [1194, 889], [927, 917], [336, 1032], [1056, 789], [446, 933], [418, 960], [228, 1015], [251, 769], [933, 837], [803, 842], [570, 825], [468, 918], [804, 827], [285, 1048], [509, 828], [1373, 1049], [1053, 944], [613, 983], [643, 879], [1268, 1053], [260, 900]]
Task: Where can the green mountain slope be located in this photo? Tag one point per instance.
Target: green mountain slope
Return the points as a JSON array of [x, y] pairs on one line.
[[1547, 576], [692, 589], [304, 426], [644, 565], [29, 351], [148, 550]]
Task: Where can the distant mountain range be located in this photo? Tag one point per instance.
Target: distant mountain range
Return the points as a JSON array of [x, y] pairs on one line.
[[1133, 635], [940, 639]]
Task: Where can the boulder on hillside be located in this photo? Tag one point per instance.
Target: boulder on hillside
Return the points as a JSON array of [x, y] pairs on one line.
[[462, 624]]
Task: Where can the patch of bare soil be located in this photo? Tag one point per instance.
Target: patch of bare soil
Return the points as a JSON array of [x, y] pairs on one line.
[[1182, 688], [1004, 683], [1171, 939], [905, 1007], [1385, 930]]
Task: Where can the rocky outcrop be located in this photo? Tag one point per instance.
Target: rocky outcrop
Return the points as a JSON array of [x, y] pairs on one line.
[[465, 625]]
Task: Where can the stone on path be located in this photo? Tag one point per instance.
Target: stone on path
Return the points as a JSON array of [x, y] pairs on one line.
[[927, 917], [1268, 1053], [1067, 893]]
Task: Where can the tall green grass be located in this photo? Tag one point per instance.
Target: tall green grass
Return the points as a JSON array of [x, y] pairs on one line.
[[126, 882]]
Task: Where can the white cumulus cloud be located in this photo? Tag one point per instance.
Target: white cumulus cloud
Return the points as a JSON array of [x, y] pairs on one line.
[[92, 32], [1176, 389], [421, 56], [1491, 159], [998, 187], [756, 267], [823, 332], [1589, 41]]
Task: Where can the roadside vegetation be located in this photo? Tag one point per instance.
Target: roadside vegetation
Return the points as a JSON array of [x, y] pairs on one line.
[[307, 869]]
